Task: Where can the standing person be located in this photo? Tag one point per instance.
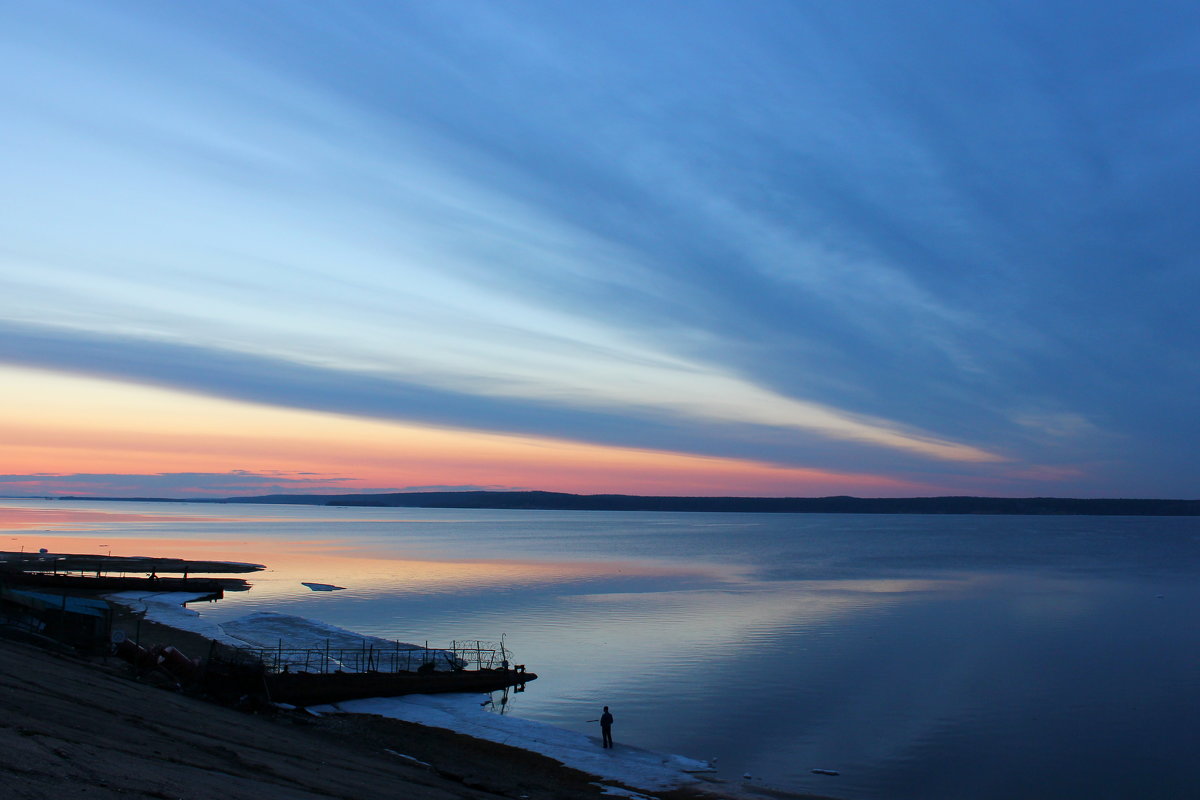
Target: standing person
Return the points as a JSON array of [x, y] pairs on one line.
[[606, 720]]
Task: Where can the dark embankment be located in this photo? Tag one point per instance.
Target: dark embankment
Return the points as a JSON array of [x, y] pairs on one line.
[[71, 728]]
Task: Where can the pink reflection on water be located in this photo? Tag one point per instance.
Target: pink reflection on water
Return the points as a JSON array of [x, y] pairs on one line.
[[374, 573], [289, 564], [13, 518], [16, 519]]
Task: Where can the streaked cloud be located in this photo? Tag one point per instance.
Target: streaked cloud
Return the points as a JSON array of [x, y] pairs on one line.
[[179, 484], [633, 418], [927, 244], [205, 484], [120, 428]]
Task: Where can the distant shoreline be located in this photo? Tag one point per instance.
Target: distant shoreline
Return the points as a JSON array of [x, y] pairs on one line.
[[558, 501]]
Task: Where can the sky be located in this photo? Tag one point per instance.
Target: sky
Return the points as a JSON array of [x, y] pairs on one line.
[[691, 248]]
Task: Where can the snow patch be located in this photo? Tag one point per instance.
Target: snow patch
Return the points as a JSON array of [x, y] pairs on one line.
[[167, 608], [261, 629], [464, 714], [270, 630]]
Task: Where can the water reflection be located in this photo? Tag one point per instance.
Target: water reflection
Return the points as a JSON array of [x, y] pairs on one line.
[[57, 519]]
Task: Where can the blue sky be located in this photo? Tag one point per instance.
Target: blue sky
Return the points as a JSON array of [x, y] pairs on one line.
[[954, 244]]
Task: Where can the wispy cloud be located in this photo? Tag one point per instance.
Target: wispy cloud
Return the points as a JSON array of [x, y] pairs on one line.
[[235, 483], [174, 484], [669, 424], [833, 236]]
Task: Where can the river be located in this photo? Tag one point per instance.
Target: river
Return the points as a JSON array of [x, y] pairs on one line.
[[932, 657]]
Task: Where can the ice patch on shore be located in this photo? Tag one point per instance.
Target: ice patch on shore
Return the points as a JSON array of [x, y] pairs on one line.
[[262, 629], [463, 713], [167, 608], [271, 629], [268, 630]]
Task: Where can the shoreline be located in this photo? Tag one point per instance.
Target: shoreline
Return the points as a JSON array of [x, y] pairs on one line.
[[95, 730], [457, 712], [78, 728]]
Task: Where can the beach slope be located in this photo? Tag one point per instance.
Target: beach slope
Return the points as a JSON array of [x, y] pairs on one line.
[[70, 728]]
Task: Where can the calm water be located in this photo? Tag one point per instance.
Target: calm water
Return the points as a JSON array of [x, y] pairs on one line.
[[923, 657]]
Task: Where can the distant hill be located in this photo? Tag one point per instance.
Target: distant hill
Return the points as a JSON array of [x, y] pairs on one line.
[[556, 501]]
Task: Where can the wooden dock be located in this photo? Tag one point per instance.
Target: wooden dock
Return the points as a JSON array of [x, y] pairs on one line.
[[90, 572]]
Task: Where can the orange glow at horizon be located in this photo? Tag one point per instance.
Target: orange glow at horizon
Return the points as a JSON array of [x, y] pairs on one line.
[[55, 424]]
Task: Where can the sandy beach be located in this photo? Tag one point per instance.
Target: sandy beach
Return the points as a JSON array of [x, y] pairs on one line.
[[74, 727]]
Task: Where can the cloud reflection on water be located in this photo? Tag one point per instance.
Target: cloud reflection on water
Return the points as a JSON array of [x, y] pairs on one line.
[[922, 656]]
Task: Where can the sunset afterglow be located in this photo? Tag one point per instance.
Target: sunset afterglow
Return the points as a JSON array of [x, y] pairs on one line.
[[791, 250]]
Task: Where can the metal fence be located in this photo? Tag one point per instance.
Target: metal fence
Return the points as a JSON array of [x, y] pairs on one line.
[[399, 657]]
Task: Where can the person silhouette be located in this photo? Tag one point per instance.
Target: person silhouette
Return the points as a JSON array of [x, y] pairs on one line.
[[606, 721]]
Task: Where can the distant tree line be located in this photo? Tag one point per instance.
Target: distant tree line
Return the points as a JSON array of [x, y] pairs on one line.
[[557, 501]]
